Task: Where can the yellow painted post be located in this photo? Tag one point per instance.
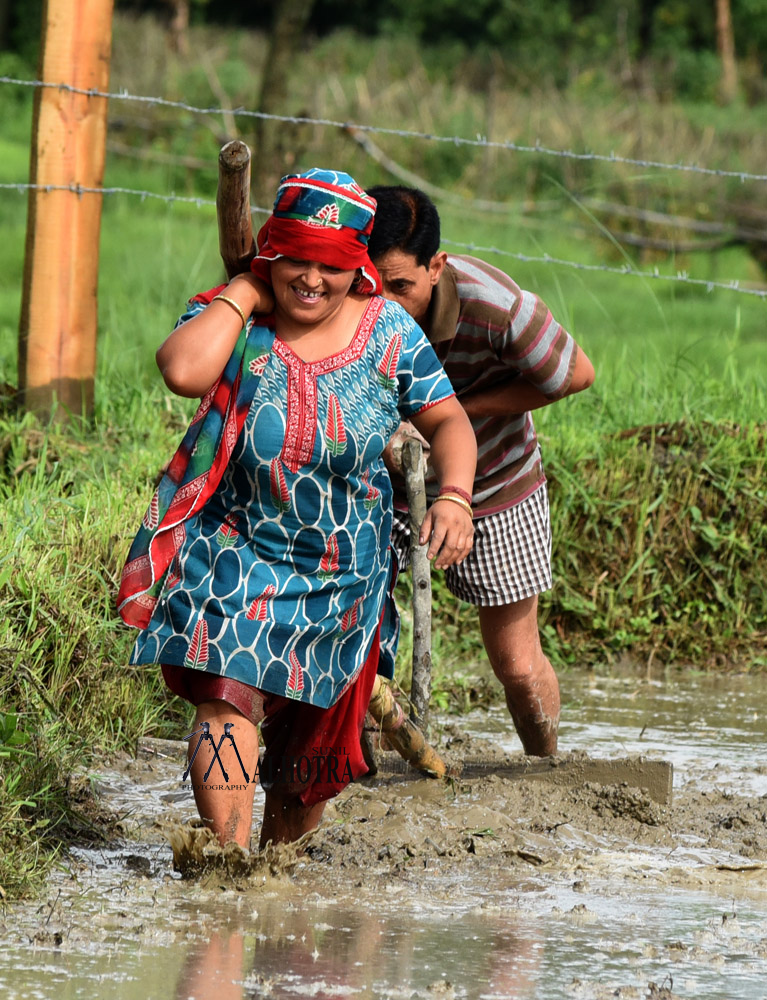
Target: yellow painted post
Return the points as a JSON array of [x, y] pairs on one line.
[[57, 330]]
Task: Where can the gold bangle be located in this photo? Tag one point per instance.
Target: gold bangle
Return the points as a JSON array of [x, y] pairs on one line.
[[459, 500], [230, 302]]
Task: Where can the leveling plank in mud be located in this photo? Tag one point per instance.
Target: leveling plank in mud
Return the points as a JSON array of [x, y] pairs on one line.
[[654, 777]]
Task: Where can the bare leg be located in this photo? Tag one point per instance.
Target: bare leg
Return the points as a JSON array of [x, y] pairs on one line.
[[285, 819], [513, 645], [227, 812], [214, 966]]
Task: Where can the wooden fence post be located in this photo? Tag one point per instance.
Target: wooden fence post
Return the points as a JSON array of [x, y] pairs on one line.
[[235, 226], [57, 329], [420, 685]]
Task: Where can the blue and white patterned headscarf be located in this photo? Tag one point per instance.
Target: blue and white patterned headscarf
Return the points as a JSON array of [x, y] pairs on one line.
[[321, 215]]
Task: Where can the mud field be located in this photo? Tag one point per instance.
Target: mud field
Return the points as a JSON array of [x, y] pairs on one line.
[[478, 887]]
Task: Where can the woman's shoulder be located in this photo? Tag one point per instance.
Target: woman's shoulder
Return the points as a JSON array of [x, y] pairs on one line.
[[392, 314], [205, 298]]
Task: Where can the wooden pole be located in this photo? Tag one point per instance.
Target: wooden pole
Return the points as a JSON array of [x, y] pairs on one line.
[[420, 687], [57, 329], [406, 738], [235, 226]]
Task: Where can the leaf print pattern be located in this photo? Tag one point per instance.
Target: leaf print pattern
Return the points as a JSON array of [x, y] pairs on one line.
[[152, 517], [350, 617], [373, 494], [329, 562], [197, 654], [205, 403], [257, 365], [258, 609], [295, 685], [335, 431], [387, 369], [328, 215], [313, 610], [279, 488], [227, 534]]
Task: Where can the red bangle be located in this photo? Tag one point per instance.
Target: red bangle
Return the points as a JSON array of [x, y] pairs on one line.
[[455, 489]]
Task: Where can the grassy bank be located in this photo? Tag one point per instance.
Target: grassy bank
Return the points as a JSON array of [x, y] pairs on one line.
[[656, 474]]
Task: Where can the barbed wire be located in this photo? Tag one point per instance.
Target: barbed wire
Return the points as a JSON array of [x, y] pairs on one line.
[[625, 271], [681, 276], [456, 140], [80, 189]]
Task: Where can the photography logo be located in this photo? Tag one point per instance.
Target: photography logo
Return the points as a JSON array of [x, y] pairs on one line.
[[319, 763], [204, 734]]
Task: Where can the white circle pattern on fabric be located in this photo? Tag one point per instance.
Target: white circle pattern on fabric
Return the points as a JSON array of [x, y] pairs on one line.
[[281, 579]]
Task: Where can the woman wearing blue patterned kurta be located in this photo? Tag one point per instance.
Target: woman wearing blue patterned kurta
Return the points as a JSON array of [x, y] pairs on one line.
[[277, 584]]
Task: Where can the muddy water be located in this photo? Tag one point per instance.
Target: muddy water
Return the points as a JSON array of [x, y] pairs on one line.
[[481, 888]]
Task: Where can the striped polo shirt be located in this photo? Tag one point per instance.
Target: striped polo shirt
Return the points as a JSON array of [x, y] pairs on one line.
[[485, 330]]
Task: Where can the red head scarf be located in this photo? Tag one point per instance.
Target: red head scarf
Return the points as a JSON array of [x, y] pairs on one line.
[[321, 215]]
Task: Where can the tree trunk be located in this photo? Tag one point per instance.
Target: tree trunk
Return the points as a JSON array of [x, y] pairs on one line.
[[275, 142], [178, 26], [725, 44]]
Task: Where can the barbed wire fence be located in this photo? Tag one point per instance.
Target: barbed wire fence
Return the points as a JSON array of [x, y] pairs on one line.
[[625, 270]]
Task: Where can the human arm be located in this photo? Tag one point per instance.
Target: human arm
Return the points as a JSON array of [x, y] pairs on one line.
[[453, 456], [508, 397], [196, 352], [518, 395]]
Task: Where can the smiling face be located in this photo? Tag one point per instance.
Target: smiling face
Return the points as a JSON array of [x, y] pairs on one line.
[[408, 282], [307, 291]]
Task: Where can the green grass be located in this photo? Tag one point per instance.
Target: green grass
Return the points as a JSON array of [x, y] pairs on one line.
[[659, 541]]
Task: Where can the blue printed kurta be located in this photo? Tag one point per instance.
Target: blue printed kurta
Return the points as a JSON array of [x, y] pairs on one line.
[[281, 578]]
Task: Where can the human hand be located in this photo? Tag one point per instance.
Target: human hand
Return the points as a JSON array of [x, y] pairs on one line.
[[392, 453], [250, 289], [449, 530]]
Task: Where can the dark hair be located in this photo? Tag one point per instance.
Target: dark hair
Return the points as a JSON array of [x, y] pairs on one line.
[[407, 220]]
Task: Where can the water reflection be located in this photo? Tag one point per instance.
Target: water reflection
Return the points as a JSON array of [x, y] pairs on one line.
[[213, 968], [293, 951]]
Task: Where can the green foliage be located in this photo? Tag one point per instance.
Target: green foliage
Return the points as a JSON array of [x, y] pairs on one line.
[[660, 547], [552, 42], [70, 498], [38, 809], [11, 737], [23, 32], [696, 75]]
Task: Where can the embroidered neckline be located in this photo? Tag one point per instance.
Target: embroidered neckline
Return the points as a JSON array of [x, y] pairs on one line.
[[301, 418], [343, 357]]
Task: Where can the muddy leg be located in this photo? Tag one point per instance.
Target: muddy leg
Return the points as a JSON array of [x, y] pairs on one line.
[[285, 819], [228, 812], [513, 645]]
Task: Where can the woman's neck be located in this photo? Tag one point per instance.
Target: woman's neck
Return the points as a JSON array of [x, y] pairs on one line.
[[314, 342]]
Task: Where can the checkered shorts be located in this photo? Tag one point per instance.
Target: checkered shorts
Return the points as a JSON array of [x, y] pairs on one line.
[[509, 561]]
